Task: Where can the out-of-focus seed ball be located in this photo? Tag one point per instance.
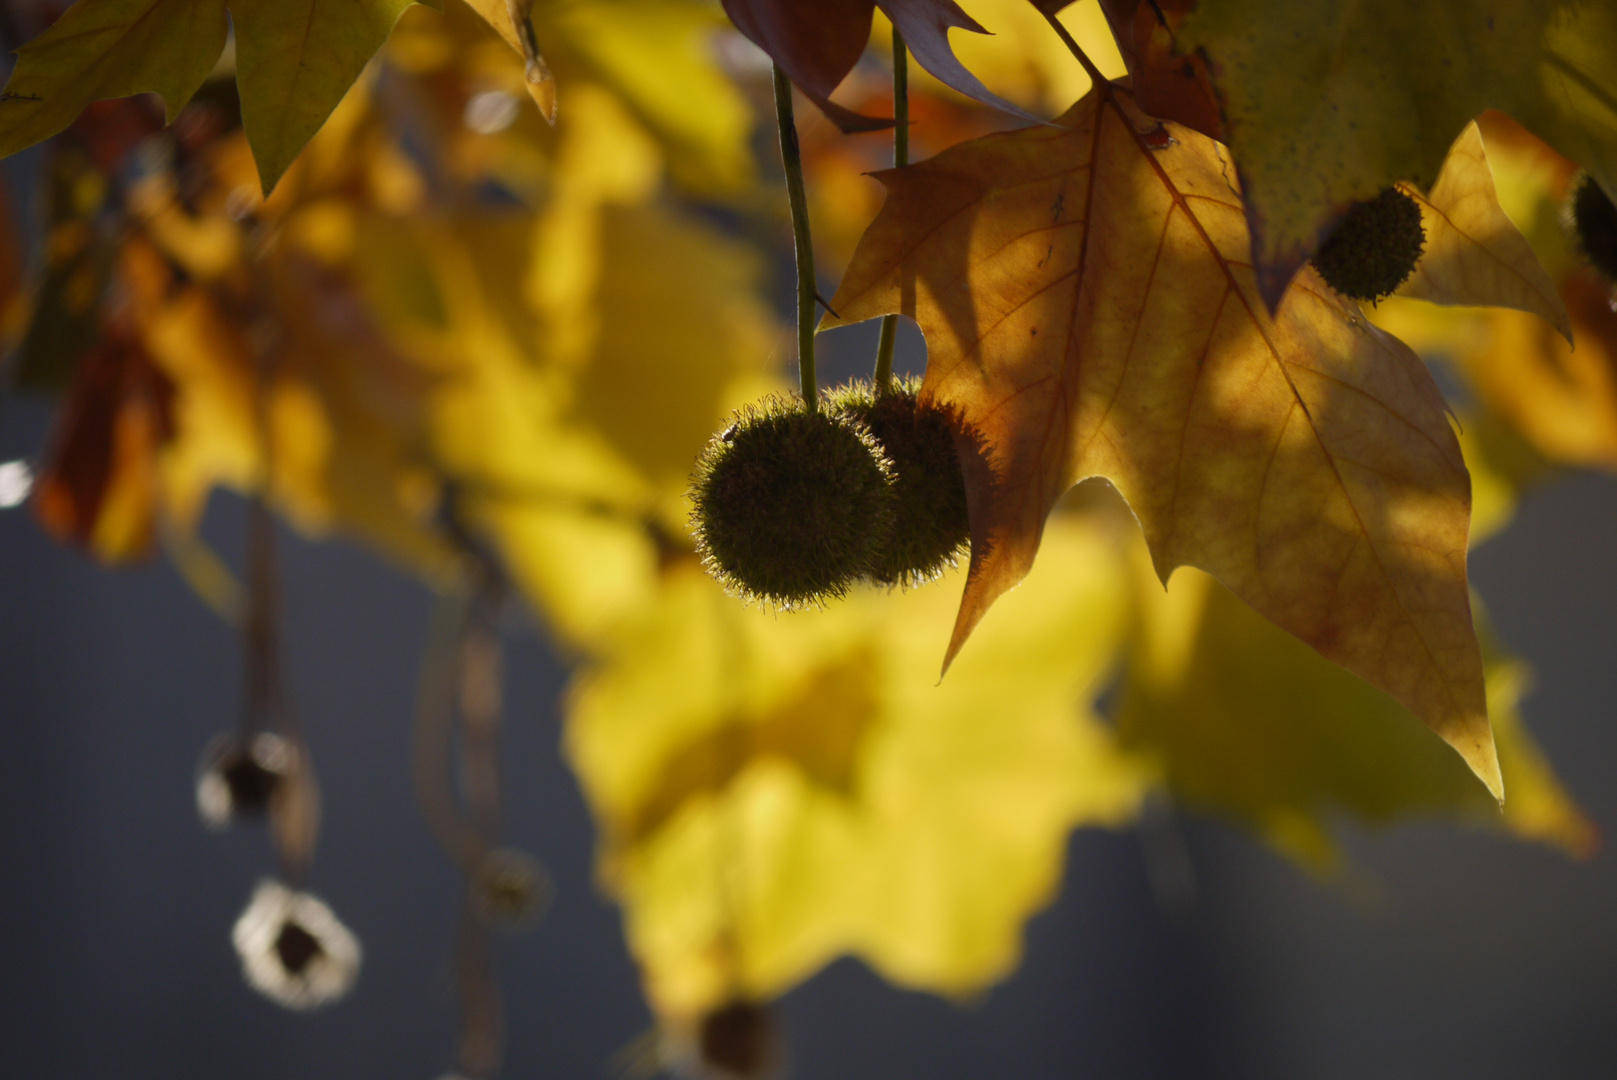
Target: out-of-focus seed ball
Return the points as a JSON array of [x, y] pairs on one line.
[[510, 890], [239, 774]]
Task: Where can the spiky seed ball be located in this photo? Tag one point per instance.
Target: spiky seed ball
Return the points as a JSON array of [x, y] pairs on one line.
[[930, 526], [1376, 247], [1595, 219], [791, 506]]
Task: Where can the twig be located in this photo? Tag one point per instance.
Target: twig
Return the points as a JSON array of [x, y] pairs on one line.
[[792, 157], [901, 157]]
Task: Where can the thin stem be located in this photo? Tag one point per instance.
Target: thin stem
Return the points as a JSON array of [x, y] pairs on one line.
[[901, 157], [792, 157], [1077, 50]]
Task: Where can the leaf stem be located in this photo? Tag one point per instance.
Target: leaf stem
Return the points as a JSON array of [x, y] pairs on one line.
[[792, 157], [901, 157]]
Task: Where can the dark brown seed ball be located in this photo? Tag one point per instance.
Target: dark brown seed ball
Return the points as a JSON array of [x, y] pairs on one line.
[[791, 506], [930, 527], [1595, 219], [1376, 247]]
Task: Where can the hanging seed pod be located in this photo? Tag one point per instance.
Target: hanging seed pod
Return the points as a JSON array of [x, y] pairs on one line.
[[1375, 248], [930, 527], [736, 1041], [1594, 218], [791, 506], [293, 950], [510, 890], [239, 775]]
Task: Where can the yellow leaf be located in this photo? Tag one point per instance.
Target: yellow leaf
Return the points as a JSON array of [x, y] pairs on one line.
[[1088, 310], [1245, 721], [775, 792], [657, 57], [106, 49], [1474, 254], [1561, 399], [295, 59]]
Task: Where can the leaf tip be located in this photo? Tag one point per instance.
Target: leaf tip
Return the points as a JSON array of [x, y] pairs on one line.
[[1483, 757]]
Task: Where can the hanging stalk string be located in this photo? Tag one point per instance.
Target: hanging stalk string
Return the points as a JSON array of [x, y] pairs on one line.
[[262, 655], [791, 156], [901, 157]]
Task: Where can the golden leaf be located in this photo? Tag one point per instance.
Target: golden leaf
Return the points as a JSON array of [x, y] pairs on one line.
[[775, 792], [1089, 312], [1243, 720], [1474, 254]]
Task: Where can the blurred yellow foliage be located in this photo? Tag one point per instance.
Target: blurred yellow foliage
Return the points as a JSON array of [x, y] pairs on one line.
[[453, 324], [776, 791]]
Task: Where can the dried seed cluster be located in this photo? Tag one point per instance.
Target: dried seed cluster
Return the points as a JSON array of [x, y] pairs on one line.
[[792, 506], [1376, 247]]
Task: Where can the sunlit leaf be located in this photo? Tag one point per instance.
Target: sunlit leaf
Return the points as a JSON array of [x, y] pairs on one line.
[[1389, 85], [658, 57], [1088, 311], [1474, 254], [105, 49], [775, 792], [295, 59], [1245, 721]]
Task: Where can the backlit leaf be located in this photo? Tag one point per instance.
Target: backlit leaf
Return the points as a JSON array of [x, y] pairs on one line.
[[1389, 84], [1088, 310], [295, 59], [775, 792], [1474, 254], [106, 49], [1245, 721]]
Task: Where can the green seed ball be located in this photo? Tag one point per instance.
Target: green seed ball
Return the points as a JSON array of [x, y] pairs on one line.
[[1595, 219], [1376, 247], [930, 528], [791, 505]]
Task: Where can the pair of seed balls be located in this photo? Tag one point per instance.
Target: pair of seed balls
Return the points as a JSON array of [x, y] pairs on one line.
[[792, 506]]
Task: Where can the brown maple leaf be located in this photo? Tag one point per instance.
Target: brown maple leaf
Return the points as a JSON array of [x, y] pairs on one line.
[[1090, 311], [818, 43]]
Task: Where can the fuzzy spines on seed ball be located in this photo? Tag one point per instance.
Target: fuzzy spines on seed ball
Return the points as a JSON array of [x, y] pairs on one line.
[[1595, 220], [791, 506], [1375, 248], [930, 527]]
